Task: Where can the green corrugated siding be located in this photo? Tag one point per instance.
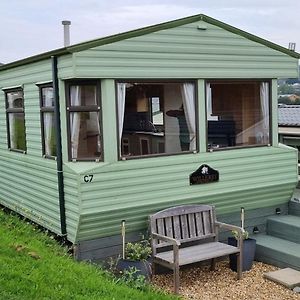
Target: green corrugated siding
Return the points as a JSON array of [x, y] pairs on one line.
[[65, 66], [185, 52], [131, 190], [29, 182]]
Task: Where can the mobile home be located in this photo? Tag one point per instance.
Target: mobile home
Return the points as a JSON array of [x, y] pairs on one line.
[[111, 129]]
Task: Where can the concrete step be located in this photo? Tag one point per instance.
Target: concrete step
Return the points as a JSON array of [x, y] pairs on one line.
[[285, 227], [276, 251], [294, 204]]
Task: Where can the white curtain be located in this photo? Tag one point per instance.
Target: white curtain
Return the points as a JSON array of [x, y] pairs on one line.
[[188, 97], [264, 104], [12, 120], [75, 120], [97, 125], [209, 104], [121, 107], [48, 120]]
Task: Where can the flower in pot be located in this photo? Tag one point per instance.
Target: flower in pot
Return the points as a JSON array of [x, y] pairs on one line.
[[249, 246], [136, 259]]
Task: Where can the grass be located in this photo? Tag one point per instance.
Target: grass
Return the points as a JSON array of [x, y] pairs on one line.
[[35, 266]]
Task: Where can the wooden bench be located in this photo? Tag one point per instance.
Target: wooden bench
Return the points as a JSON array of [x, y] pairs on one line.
[[183, 228]]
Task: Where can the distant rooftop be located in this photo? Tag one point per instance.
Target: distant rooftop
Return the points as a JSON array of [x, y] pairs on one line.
[[289, 115]]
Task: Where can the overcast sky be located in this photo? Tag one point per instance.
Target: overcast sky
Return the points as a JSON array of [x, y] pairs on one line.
[[29, 27]]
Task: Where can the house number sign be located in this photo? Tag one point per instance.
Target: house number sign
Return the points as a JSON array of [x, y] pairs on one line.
[[88, 178], [204, 174]]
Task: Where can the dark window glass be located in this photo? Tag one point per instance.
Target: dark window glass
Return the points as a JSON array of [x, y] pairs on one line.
[[238, 114], [156, 118], [48, 121], [84, 122], [15, 120]]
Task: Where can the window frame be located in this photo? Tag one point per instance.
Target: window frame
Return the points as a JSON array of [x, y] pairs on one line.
[[157, 81], [90, 108], [43, 110], [14, 110], [242, 81]]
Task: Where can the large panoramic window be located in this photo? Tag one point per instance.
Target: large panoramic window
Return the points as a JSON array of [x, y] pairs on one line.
[[156, 118], [15, 120], [83, 121], [237, 113], [48, 121]]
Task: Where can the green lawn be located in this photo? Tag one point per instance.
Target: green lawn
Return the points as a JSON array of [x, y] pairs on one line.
[[33, 266]]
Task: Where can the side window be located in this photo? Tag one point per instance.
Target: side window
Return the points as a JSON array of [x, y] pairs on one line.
[[15, 119], [237, 114], [83, 111], [156, 118], [48, 121]]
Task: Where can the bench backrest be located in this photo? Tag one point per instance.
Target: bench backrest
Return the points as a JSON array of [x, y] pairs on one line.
[[185, 223]]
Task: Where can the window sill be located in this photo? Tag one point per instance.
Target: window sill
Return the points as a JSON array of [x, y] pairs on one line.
[[157, 155], [237, 147], [17, 150]]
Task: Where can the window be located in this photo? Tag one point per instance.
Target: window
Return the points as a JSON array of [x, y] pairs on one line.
[[156, 118], [84, 121], [15, 118], [48, 121], [237, 114]]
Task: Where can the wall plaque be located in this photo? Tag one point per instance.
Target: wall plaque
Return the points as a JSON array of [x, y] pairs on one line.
[[204, 174]]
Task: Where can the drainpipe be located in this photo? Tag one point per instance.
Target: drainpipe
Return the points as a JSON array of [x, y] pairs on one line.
[[60, 175]]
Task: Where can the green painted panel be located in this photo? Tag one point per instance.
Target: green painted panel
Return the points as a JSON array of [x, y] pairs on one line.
[[65, 66], [36, 72], [29, 185], [185, 52], [131, 190]]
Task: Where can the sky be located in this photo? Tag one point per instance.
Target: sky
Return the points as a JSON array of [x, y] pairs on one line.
[[29, 27]]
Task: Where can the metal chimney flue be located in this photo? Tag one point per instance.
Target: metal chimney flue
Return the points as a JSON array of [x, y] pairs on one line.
[[66, 32]]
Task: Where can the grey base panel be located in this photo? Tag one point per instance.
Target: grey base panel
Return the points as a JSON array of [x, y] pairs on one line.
[[275, 262], [102, 248], [294, 207]]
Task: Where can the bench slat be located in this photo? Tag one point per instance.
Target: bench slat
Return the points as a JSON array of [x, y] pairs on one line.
[[199, 224], [206, 222], [177, 230], [198, 253], [169, 227], [184, 227], [191, 220], [160, 226]]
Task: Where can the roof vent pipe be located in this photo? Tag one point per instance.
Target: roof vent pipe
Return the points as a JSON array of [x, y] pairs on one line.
[[292, 46], [66, 32]]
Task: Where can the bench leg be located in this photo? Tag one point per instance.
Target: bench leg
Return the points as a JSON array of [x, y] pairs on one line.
[[213, 264], [239, 266], [176, 280], [153, 266]]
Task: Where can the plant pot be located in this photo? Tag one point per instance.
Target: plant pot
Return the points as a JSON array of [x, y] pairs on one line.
[[249, 246], [143, 267]]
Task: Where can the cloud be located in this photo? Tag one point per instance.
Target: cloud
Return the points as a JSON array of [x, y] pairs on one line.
[[30, 27]]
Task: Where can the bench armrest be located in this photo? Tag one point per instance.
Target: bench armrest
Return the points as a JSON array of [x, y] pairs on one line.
[[165, 239], [240, 230]]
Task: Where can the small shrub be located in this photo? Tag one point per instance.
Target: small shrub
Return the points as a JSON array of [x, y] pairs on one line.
[[138, 251], [130, 278], [245, 234]]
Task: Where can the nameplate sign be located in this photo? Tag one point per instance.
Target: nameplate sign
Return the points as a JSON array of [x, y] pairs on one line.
[[204, 174]]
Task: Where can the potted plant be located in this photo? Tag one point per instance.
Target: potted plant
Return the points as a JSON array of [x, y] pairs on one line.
[[136, 259], [249, 246]]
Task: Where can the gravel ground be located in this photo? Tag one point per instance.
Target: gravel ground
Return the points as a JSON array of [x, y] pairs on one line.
[[201, 283]]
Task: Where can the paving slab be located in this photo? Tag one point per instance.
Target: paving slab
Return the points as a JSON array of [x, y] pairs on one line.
[[288, 277]]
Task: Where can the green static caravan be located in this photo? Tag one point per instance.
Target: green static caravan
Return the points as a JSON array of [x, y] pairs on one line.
[[123, 126]]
